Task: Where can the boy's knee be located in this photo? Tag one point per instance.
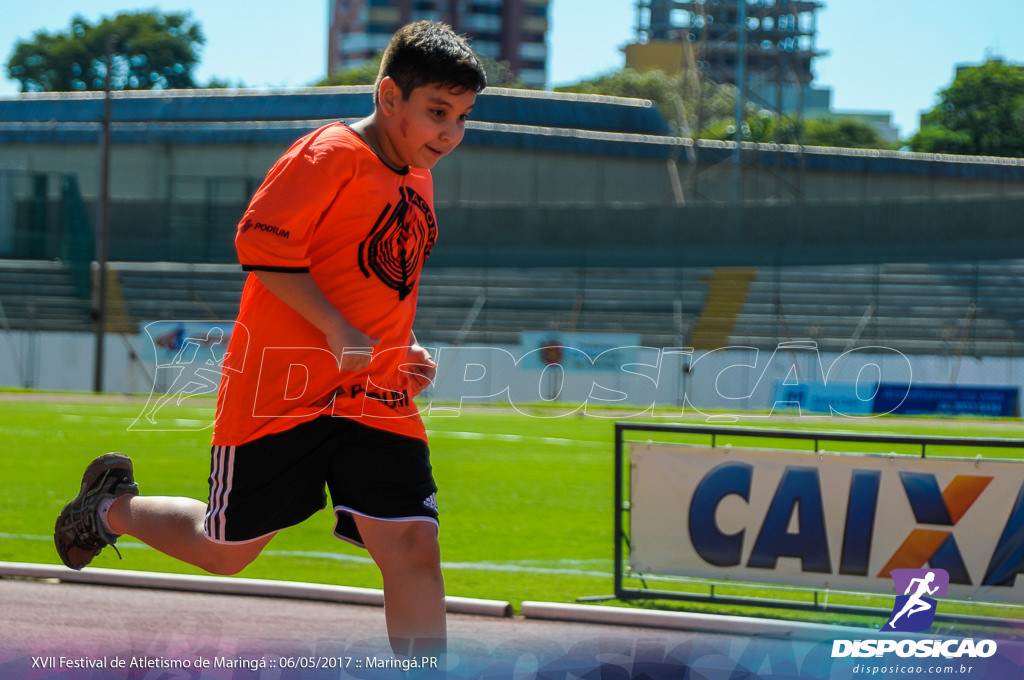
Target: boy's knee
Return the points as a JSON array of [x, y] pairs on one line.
[[415, 546], [222, 561], [421, 545]]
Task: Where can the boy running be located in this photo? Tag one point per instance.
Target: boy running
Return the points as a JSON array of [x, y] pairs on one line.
[[322, 367]]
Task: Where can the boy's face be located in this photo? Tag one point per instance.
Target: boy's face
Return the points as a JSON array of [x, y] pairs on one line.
[[427, 125]]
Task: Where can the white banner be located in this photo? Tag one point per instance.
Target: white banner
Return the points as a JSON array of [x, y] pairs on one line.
[[826, 520]]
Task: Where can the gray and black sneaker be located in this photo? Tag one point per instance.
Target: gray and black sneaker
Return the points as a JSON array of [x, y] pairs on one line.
[[79, 534]]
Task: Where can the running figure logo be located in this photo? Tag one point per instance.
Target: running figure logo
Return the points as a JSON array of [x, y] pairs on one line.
[[914, 610], [189, 361]]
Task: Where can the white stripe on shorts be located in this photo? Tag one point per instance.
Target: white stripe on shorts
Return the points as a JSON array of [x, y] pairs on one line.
[[221, 473]]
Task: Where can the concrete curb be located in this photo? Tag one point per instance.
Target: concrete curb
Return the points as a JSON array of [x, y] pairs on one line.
[[690, 621], [237, 586], [574, 613]]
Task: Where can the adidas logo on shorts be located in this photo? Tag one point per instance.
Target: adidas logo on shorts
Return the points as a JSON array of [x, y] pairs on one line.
[[431, 502]]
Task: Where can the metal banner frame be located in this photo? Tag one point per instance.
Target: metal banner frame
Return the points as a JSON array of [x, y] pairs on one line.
[[813, 599]]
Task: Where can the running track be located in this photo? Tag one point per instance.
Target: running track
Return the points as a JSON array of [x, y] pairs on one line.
[[42, 620], [248, 637]]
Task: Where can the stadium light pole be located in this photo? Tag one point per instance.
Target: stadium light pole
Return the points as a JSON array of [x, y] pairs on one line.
[[741, 91], [103, 242]]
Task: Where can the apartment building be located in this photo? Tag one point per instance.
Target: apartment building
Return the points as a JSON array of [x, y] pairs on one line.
[[511, 30]]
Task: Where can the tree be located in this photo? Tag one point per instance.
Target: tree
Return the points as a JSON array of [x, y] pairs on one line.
[[758, 126], [981, 113], [500, 73], [217, 83], [150, 51], [686, 103], [844, 132], [937, 139], [765, 126], [676, 97], [663, 90], [364, 74]]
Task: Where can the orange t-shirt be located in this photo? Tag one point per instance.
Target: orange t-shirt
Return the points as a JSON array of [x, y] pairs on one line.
[[362, 230]]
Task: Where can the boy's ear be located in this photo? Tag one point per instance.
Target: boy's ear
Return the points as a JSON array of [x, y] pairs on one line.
[[387, 95]]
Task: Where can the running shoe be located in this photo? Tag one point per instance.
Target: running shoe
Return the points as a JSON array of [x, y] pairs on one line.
[[79, 534]]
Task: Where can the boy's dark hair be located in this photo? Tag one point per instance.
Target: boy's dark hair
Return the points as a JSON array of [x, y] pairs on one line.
[[429, 53]]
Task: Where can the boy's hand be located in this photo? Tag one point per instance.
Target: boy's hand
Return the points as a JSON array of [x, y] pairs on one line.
[[353, 348], [420, 368]]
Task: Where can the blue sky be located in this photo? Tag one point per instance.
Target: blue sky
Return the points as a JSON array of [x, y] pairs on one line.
[[883, 55]]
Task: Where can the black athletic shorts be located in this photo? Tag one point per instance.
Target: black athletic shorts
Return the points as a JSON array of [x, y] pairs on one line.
[[279, 480]]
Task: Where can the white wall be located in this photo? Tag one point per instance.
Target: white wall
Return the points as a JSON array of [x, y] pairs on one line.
[[64, 361], [729, 380]]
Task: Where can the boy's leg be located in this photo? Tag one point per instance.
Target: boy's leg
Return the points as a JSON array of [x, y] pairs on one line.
[[409, 559], [257, 490], [108, 506], [174, 526]]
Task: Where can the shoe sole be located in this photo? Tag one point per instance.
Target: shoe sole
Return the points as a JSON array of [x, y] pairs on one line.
[[93, 472]]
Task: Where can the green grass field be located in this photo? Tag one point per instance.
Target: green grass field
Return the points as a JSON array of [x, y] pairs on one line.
[[523, 516], [526, 502]]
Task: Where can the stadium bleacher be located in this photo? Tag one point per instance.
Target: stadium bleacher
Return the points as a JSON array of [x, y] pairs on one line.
[[40, 295], [172, 291], [494, 305], [938, 309]]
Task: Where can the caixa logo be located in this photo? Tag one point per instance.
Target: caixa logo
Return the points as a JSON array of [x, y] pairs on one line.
[[794, 524]]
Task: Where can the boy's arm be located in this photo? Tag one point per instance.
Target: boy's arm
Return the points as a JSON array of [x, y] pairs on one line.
[[300, 292]]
